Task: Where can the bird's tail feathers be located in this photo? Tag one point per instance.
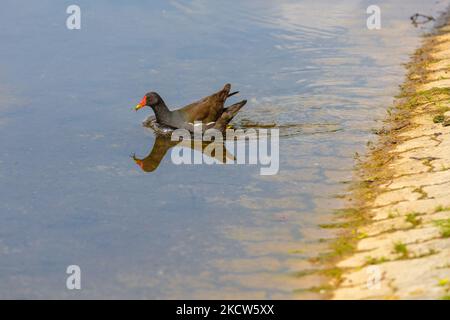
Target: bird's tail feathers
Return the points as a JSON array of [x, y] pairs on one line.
[[228, 114]]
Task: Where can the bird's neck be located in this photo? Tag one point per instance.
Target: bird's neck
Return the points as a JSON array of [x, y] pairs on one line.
[[162, 113]]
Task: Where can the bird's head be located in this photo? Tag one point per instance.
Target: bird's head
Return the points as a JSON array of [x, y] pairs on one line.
[[151, 99]]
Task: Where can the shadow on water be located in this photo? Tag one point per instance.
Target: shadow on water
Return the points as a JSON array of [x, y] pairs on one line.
[[160, 147], [163, 144]]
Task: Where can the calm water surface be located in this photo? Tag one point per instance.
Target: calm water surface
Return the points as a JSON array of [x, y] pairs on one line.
[[71, 194]]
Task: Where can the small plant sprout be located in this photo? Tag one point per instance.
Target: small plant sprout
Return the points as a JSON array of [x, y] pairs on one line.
[[373, 260], [444, 226], [401, 249], [443, 282], [441, 208], [413, 219]]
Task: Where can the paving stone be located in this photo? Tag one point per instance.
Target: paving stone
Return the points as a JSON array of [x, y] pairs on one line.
[[406, 194]]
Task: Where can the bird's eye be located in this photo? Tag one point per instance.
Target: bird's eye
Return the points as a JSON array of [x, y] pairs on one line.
[[152, 100]]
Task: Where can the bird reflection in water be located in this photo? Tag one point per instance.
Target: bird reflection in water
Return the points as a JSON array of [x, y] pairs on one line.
[[163, 144]]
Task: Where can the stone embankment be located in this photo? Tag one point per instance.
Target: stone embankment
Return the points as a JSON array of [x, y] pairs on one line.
[[403, 251]]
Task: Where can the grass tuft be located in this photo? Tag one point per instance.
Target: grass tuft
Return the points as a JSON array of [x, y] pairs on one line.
[[372, 260], [443, 282], [439, 118], [413, 219], [401, 249], [444, 226], [441, 208]]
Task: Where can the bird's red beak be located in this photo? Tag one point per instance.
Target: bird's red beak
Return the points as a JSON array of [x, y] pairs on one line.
[[140, 163], [141, 104]]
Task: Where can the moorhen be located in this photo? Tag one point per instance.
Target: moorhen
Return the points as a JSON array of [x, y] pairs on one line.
[[209, 110]]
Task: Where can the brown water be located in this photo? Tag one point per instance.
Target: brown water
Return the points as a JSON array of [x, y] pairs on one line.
[[71, 194]]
